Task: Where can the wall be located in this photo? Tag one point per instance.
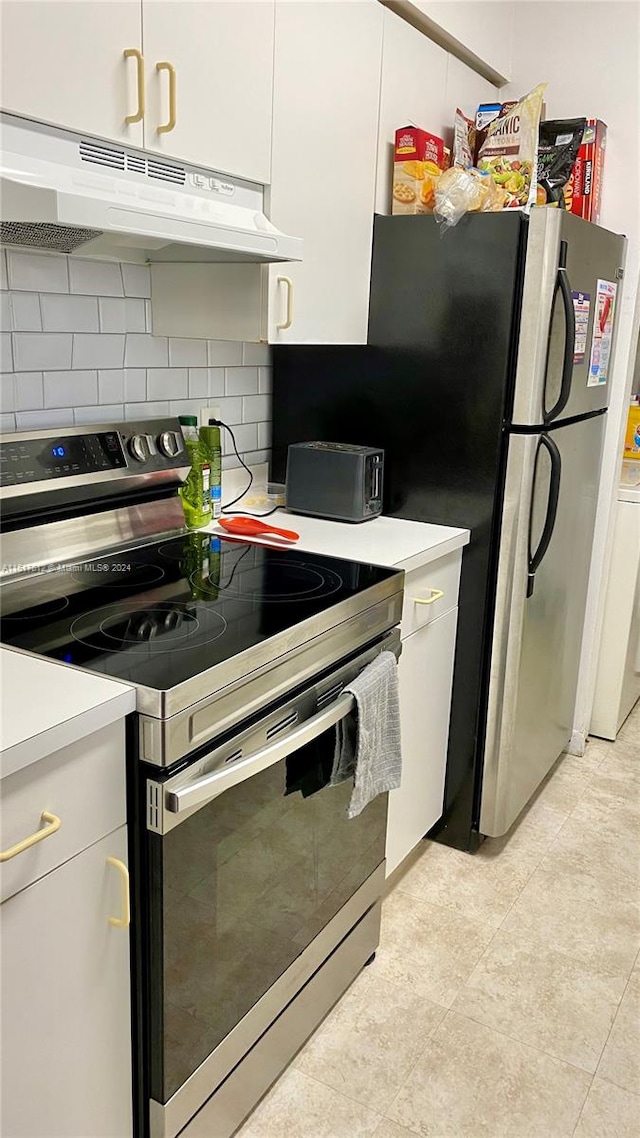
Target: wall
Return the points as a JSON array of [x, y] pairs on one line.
[[589, 54], [77, 348]]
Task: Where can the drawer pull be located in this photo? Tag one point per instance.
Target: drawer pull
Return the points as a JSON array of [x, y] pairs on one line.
[[435, 595], [123, 921], [53, 824]]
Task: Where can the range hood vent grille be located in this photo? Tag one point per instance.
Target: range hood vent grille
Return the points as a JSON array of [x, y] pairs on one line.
[[45, 235], [102, 155], [115, 159]]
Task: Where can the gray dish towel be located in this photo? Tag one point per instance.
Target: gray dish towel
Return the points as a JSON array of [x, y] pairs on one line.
[[374, 757]]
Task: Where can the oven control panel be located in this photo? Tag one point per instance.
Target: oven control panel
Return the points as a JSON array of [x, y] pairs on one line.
[[126, 448]]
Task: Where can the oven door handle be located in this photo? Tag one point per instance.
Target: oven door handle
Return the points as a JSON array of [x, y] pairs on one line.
[[211, 785]]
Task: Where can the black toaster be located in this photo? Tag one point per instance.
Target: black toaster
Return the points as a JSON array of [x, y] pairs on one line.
[[335, 480]]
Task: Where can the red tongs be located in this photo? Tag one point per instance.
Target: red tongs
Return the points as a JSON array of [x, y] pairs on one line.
[[253, 527]]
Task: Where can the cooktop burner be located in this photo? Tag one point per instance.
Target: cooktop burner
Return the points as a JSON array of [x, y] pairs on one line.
[[164, 612]]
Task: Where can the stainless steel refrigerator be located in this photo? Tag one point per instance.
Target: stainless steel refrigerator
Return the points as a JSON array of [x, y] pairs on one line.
[[486, 380]]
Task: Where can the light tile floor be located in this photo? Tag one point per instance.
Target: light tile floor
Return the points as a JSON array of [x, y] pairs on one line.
[[504, 999]]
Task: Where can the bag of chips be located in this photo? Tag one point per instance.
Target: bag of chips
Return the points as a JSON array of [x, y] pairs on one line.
[[558, 145], [464, 140], [510, 150]]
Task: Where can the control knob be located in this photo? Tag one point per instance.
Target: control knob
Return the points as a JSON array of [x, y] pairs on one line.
[[137, 447], [169, 444]]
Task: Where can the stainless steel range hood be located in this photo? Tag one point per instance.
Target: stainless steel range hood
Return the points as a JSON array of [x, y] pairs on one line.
[[71, 193]]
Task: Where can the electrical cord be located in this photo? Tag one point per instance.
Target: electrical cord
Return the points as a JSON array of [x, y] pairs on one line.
[[226, 509]]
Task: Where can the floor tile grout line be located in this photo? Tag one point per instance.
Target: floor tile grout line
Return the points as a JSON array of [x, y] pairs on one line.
[[523, 1043]]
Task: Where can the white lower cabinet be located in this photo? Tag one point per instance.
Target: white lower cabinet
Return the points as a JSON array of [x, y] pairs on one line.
[[425, 676], [66, 1028]]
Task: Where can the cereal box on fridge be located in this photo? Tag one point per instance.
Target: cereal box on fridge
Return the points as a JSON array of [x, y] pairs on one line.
[[583, 192], [419, 160]]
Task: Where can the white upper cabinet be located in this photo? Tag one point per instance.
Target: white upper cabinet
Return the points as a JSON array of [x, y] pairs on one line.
[[414, 73], [213, 93], [483, 27], [63, 63], [325, 125]]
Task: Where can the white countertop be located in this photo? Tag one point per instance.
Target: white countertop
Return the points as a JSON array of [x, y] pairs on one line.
[[381, 541], [629, 488], [45, 706]]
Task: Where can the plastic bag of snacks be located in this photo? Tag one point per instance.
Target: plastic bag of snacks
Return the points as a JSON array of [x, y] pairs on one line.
[[558, 144], [466, 191], [464, 140], [509, 153]]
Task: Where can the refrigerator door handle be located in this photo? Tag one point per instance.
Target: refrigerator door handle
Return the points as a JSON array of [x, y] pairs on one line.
[[552, 508], [563, 285]]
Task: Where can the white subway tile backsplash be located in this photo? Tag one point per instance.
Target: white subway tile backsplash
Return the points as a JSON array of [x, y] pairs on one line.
[[26, 311], [70, 388], [40, 420], [216, 381], [241, 381], [81, 350], [146, 351], [6, 352], [109, 413], [95, 278], [230, 410], [265, 381], [121, 315], [185, 406], [264, 435], [257, 354], [7, 422], [5, 312], [256, 408], [224, 353], [99, 350], [4, 283], [135, 384], [255, 457], [136, 279], [67, 313], [198, 382], [111, 386], [246, 436], [146, 410], [37, 272], [29, 391], [167, 383], [7, 391], [40, 351], [187, 353]]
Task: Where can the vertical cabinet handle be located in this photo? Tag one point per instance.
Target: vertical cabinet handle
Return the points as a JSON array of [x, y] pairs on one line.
[[123, 921], [164, 65], [133, 53], [53, 823], [289, 314]]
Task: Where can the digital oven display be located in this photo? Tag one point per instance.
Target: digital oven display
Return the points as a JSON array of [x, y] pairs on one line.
[[38, 460]]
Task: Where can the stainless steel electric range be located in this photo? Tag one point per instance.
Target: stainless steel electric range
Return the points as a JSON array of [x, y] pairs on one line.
[[256, 901]]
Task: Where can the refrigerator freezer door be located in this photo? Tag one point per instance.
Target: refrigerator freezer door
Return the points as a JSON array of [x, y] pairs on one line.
[[536, 644], [566, 257]]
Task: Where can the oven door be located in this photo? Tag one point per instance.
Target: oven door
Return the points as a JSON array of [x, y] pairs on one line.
[[254, 874]]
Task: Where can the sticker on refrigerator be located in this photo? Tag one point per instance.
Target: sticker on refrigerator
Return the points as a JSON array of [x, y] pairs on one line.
[[581, 307], [602, 334]]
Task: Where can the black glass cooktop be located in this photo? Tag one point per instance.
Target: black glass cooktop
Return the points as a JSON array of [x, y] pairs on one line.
[[162, 613]]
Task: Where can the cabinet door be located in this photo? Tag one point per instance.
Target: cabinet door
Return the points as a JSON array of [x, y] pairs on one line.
[[425, 675], [222, 53], [325, 116], [66, 1027], [63, 62]]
